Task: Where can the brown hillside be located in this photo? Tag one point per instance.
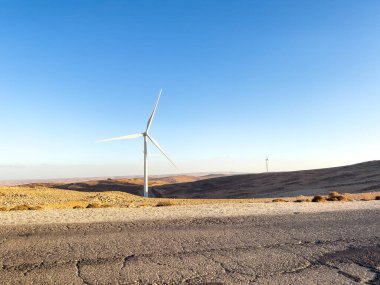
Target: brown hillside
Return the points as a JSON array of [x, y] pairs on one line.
[[357, 178], [128, 185]]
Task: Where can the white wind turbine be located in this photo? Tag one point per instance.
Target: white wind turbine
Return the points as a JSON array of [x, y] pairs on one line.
[[146, 136]]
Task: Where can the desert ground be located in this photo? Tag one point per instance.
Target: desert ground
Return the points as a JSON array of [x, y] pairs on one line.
[[304, 227]]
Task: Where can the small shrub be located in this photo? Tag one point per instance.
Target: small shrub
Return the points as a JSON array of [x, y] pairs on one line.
[[333, 194], [377, 198], [279, 200], [318, 199], [339, 198], [344, 198], [332, 198]]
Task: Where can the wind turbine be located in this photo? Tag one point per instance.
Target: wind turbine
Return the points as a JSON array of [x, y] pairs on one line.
[[266, 160], [146, 136]]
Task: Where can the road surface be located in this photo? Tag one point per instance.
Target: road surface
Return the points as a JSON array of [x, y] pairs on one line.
[[340, 247]]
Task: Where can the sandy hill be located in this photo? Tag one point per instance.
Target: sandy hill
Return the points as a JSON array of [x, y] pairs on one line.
[[357, 178], [129, 185]]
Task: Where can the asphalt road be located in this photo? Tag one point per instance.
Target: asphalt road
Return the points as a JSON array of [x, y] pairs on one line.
[[318, 248]]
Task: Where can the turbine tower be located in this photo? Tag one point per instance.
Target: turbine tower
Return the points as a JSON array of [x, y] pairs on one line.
[[146, 136], [266, 161]]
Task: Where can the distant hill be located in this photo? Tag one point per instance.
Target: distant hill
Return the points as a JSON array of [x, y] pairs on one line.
[[357, 178], [129, 185], [174, 178]]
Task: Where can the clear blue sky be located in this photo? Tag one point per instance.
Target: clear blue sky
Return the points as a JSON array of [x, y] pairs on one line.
[[298, 81]]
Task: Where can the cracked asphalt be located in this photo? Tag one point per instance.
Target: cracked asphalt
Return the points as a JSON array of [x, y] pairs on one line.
[[316, 248]]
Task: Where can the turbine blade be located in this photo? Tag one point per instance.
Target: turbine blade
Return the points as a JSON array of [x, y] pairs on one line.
[[161, 150], [154, 111], [121, 138]]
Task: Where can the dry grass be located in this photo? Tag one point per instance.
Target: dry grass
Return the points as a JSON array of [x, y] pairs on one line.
[[36, 198]]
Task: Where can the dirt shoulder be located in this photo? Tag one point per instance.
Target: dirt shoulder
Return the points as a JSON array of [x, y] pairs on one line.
[[68, 216]]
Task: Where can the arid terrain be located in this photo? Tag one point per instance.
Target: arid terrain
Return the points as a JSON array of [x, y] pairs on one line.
[[264, 229], [357, 178], [354, 182]]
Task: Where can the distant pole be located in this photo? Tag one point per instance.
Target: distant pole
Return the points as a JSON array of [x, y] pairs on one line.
[[266, 160]]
